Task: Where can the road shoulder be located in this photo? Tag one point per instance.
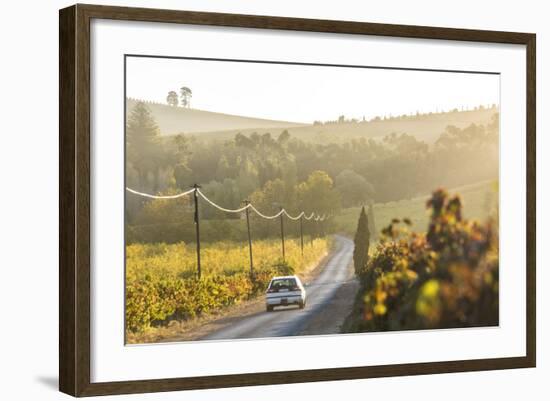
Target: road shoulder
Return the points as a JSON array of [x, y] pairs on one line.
[[336, 311]]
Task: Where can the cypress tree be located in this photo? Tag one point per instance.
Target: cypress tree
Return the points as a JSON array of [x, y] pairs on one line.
[[361, 240]]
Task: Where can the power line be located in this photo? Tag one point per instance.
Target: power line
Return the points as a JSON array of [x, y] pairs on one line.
[[160, 196], [242, 209], [246, 208], [294, 218], [265, 216], [313, 216]]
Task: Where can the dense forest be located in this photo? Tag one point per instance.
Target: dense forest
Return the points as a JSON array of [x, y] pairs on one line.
[[275, 169]]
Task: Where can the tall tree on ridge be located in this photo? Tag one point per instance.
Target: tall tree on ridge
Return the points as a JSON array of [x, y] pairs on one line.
[[185, 96], [172, 99]]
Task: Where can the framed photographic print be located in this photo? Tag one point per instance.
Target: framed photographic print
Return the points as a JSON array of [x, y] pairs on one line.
[[250, 200]]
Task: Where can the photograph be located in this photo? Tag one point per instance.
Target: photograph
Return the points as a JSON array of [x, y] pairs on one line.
[[267, 199]]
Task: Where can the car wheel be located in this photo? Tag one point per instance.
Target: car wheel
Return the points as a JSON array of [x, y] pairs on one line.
[[269, 308], [302, 305]]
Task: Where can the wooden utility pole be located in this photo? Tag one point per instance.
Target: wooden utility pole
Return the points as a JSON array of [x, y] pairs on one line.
[[282, 233], [302, 233], [197, 228], [311, 229], [247, 202]]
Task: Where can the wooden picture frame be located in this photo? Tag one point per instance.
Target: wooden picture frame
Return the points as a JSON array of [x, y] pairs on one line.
[[74, 199]]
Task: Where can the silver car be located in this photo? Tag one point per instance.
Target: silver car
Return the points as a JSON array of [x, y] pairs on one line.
[[284, 291]]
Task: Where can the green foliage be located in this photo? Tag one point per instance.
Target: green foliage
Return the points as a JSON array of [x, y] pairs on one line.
[[142, 139], [183, 176], [445, 278], [149, 165], [142, 129], [284, 170], [317, 194], [272, 196], [392, 168], [362, 243], [353, 188]]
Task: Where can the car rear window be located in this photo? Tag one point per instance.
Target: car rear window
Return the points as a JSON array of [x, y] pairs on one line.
[[284, 283]]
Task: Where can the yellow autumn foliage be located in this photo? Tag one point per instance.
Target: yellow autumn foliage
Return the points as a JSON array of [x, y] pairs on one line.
[[162, 284]]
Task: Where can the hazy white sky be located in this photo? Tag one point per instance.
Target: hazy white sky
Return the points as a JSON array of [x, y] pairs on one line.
[[306, 93]]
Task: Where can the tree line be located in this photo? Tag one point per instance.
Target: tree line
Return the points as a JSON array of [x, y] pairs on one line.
[[274, 170], [342, 119]]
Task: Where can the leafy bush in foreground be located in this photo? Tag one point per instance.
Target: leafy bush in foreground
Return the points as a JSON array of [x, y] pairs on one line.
[[447, 277]]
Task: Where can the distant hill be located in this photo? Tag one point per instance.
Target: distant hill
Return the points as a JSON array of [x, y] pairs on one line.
[[212, 125], [426, 127], [174, 120]]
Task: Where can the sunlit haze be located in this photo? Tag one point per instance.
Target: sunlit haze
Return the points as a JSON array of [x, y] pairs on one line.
[[300, 93]]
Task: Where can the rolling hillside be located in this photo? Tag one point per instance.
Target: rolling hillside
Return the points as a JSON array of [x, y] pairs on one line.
[[425, 127], [175, 120], [479, 201], [211, 125]]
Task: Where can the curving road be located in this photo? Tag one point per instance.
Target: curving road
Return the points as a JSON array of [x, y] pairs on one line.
[[338, 271]]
